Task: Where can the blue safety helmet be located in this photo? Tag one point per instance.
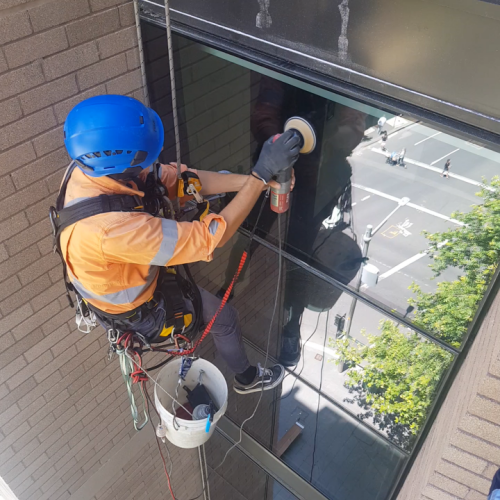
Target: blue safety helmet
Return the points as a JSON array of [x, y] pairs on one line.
[[107, 134]]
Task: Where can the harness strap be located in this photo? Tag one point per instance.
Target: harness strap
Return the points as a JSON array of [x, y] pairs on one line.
[[94, 206]]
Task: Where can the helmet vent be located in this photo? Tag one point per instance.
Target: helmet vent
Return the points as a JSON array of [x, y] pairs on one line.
[[141, 119], [107, 152], [139, 157]]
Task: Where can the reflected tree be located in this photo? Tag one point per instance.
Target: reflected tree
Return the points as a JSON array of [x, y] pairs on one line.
[[474, 249], [394, 378]]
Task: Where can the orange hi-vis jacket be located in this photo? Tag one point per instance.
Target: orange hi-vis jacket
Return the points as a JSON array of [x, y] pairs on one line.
[[113, 259]]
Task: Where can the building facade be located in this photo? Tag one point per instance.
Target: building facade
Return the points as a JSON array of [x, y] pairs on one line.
[[384, 269]]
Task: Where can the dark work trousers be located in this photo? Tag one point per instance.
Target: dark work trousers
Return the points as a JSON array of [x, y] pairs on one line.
[[226, 332]]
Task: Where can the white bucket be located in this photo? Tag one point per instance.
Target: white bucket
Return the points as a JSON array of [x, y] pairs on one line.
[[190, 433]]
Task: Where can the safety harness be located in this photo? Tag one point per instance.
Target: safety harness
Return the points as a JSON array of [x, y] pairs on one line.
[[172, 286]]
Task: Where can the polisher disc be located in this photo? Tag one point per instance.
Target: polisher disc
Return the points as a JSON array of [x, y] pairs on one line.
[[305, 130]]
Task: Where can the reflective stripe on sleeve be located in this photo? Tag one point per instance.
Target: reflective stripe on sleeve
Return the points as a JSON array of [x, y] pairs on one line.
[[116, 298], [168, 242], [213, 226]]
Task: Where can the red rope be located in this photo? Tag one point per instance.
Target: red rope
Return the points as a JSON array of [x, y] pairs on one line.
[[187, 352]]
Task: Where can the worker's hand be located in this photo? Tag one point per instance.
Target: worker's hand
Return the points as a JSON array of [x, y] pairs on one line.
[[277, 185], [278, 155]]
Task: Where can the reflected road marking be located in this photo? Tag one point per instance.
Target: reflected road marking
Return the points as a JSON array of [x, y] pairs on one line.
[[407, 262], [412, 205], [443, 157], [427, 138], [439, 170]]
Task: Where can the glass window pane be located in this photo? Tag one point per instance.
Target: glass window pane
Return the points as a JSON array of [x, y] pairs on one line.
[[228, 110], [239, 478]]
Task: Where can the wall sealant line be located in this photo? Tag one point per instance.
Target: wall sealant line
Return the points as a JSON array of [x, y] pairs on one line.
[[396, 103], [325, 396], [378, 306], [272, 465]]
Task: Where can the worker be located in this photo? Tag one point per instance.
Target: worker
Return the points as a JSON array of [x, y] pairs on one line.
[[116, 260]]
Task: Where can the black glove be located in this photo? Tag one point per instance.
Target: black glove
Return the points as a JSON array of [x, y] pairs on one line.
[[278, 155]]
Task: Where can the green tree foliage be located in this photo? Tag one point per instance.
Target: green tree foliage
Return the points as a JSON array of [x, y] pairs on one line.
[[474, 249], [396, 372], [396, 375]]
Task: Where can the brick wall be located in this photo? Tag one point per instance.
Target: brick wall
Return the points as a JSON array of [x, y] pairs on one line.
[[64, 411]]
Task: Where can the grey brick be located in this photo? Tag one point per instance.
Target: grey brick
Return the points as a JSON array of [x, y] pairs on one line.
[[49, 295], [19, 479], [23, 416], [50, 141], [3, 253], [29, 370], [490, 387], [15, 158], [22, 391], [3, 62], [104, 4], [17, 81], [125, 84], [36, 47], [32, 194], [133, 61], [12, 369], [70, 60], [35, 320], [46, 433], [481, 428], [127, 14], [9, 111], [38, 268], [48, 94], [53, 181], [8, 415], [41, 168], [484, 408], [92, 27], [36, 416], [14, 26], [46, 245], [117, 42], [6, 187], [55, 364], [45, 344], [22, 454], [102, 71], [465, 460], [28, 237], [63, 108], [18, 297], [18, 262], [37, 389], [26, 128], [58, 319], [18, 349], [463, 476], [39, 210], [57, 12]]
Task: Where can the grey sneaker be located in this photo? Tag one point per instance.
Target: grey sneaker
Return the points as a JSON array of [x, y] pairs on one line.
[[265, 379]]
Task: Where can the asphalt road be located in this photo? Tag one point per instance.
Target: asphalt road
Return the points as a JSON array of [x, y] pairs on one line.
[[376, 188]]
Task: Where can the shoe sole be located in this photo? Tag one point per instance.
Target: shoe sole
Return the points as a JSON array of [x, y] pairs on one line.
[[259, 389]]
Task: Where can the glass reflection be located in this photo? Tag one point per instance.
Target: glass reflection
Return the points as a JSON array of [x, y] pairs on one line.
[[239, 477], [370, 168]]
